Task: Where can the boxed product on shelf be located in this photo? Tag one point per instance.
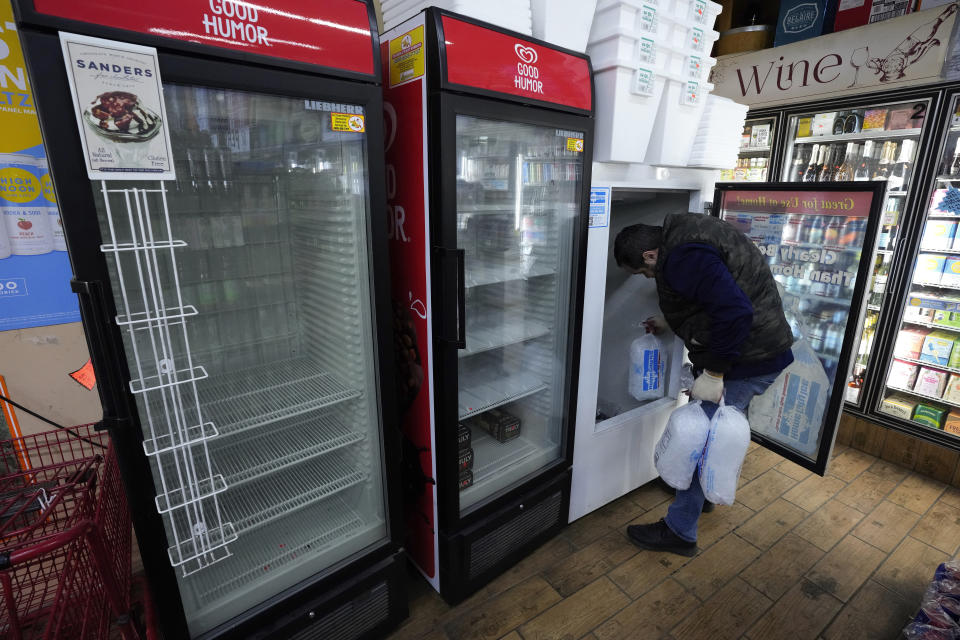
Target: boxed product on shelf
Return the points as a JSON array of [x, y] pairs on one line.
[[874, 120], [498, 423], [803, 19], [929, 415], [903, 375], [954, 362], [903, 118], [823, 123], [900, 406], [464, 436], [465, 479], [952, 392], [930, 382], [936, 200], [804, 127], [952, 423], [909, 343], [951, 272], [929, 268], [917, 313], [951, 319], [938, 234], [760, 135], [465, 459], [937, 347], [861, 12]]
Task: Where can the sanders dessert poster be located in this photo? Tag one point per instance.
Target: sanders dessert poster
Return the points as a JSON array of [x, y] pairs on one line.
[[118, 101]]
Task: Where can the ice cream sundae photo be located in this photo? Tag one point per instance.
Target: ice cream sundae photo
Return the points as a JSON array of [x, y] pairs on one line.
[[119, 116]]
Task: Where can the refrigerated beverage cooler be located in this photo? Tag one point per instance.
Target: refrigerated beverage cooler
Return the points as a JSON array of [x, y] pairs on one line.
[[229, 252], [488, 160]]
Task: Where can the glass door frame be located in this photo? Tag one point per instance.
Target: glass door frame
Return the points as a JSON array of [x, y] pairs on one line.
[[857, 302], [448, 295], [92, 283]]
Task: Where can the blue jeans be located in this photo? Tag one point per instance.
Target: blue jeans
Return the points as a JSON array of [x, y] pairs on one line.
[[685, 511]]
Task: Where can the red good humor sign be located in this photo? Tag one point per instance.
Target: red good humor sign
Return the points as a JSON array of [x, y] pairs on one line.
[[828, 203]]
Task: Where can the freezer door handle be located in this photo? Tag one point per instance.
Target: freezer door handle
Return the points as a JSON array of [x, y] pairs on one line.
[[106, 364], [458, 337], [461, 300]]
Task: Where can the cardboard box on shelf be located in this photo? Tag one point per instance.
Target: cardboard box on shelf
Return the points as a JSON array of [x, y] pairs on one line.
[[909, 343], [952, 424], [938, 234], [465, 459], [929, 415], [903, 375], [465, 479], [931, 382], [498, 423], [952, 392], [929, 268], [856, 13], [951, 272], [899, 405], [463, 436], [874, 120], [803, 19], [937, 347], [823, 123]]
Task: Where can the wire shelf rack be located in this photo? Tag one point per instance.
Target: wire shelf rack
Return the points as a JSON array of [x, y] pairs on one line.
[[255, 505], [489, 329], [262, 395], [485, 386], [310, 531], [248, 458]]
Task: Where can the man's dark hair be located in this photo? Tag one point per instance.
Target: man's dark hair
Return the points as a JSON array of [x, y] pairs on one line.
[[633, 241]]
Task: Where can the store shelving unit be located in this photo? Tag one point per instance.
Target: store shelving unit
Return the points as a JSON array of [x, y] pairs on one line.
[[869, 146]]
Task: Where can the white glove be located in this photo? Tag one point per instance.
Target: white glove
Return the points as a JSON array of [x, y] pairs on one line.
[[708, 387]]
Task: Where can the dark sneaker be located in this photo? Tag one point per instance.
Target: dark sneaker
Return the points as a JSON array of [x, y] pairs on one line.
[[708, 506], [659, 537]]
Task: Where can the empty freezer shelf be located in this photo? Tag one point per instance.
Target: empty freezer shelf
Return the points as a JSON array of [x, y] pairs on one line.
[[281, 446], [482, 273], [484, 386], [262, 395], [259, 555], [253, 505], [490, 329]]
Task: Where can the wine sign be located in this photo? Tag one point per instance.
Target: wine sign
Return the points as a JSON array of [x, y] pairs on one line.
[[909, 50]]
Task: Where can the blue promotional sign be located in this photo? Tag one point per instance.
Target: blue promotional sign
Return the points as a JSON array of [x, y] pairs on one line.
[[34, 269], [599, 207]]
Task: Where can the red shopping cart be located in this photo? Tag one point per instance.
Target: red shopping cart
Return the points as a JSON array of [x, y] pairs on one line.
[[65, 539]]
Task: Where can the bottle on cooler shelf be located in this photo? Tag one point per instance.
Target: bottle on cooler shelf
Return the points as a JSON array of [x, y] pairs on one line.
[[865, 166], [25, 211], [901, 170], [954, 168], [887, 155], [845, 171], [828, 168], [800, 164], [810, 175]]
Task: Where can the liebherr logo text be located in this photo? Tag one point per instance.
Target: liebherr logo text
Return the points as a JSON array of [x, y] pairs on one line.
[[316, 105], [527, 77]]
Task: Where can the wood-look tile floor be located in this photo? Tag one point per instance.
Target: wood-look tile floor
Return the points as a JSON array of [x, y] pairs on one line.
[[843, 557]]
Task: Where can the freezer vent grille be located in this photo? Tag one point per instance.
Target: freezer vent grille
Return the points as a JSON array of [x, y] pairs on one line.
[[352, 619], [487, 551]]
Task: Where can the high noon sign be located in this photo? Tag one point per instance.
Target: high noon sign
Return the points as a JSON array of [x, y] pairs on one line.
[[908, 50]]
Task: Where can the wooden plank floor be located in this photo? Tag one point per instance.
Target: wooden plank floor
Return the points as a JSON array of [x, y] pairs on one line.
[[844, 557]]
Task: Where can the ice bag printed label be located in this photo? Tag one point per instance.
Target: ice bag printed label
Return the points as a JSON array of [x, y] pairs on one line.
[[651, 369], [648, 51], [648, 18], [694, 67], [643, 85], [699, 10], [692, 94], [696, 39]]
